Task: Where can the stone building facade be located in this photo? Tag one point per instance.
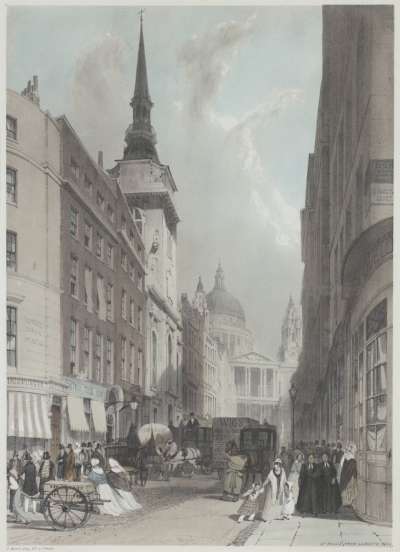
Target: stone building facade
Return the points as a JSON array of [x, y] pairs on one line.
[[207, 383], [34, 368], [345, 374], [149, 188], [103, 299]]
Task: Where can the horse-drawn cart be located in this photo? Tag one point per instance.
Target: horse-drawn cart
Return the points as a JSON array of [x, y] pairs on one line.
[[68, 505]]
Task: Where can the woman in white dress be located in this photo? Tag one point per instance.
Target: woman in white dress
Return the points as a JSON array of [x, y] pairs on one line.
[[119, 481], [98, 477], [294, 474]]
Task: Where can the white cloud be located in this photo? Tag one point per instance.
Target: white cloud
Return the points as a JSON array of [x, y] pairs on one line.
[[207, 60]]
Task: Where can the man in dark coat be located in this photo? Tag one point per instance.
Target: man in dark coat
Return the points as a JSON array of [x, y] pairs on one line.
[[307, 501], [97, 453], [61, 461], [29, 472], [46, 471], [330, 499]]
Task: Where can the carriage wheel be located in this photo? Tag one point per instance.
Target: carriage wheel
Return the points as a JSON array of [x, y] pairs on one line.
[[66, 508]]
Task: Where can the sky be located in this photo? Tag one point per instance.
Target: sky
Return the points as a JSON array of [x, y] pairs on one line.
[[235, 92]]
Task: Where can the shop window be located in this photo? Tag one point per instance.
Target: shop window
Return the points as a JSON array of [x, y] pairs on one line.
[[376, 392]]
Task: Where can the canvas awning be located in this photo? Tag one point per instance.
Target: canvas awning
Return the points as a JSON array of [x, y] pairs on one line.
[[76, 414], [28, 415], [99, 416]]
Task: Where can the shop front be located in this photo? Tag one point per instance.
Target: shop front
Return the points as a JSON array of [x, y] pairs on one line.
[[84, 412]]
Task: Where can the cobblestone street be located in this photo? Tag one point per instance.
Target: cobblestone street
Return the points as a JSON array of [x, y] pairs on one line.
[[189, 512]]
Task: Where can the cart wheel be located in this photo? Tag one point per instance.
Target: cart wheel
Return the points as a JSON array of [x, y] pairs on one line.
[[66, 508]]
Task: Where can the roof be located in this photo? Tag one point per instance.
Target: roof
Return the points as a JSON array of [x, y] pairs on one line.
[[220, 301]]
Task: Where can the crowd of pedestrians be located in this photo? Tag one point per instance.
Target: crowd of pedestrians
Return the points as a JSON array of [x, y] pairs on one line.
[[315, 478]]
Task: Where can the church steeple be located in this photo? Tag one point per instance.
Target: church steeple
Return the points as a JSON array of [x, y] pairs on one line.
[[140, 136]]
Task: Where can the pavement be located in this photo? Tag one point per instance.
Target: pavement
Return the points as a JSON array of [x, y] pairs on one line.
[[190, 512], [343, 529]]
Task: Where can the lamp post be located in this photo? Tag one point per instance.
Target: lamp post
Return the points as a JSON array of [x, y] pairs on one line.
[[293, 393]]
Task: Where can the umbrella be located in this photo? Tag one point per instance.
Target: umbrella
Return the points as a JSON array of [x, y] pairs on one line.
[[160, 432]]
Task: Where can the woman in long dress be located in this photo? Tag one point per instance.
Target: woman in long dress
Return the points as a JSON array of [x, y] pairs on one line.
[[271, 506], [348, 476], [234, 473], [119, 481], [295, 473], [98, 477]]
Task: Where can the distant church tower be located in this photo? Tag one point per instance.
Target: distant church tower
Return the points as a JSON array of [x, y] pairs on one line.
[[149, 188], [291, 334]]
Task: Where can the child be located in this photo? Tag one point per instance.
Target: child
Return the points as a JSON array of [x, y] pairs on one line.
[[250, 505], [288, 501]]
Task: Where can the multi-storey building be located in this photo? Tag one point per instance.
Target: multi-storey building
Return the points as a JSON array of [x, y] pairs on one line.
[[149, 188], [345, 374], [207, 383], [102, 306], [34, 380]]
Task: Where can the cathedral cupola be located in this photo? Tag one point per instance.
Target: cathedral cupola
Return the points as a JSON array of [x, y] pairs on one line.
[[140, 136]]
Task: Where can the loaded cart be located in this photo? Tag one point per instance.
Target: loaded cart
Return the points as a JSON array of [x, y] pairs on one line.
[[68, 505]]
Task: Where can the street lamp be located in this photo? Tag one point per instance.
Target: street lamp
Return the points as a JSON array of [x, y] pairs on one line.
[[293, 393]]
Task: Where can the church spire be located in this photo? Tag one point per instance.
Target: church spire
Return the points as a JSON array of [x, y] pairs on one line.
[[140, 136]]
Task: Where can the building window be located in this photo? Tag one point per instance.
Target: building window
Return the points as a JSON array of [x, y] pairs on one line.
[[11, 185], [154, 358], [140, 281], [109, 361], [124, 260], [123, 358], [154, 415], [169, 245], [110, 255], [376, 373], [87, 334], [123, 224], [99, 246], [11, 127], [131, 238], [123, 304], [73, 222], [100, 200], [73, 282], [87, 290], [109, 302], [110, 213], [74, 168], [131, 272], [87, 240], [357, 386], [140, 320], [170, 366], [132, 312], [139, 366], [12, 336], [139, 220], [101, 306], [98, 357], [73, 346], [132, 363], [88, 185], [11, 251]]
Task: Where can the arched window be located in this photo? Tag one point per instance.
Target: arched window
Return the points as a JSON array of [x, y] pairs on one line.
[[154, 357]]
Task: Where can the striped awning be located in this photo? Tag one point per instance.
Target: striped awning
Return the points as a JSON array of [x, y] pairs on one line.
[[99, 417], [76, 414], [28, 415]]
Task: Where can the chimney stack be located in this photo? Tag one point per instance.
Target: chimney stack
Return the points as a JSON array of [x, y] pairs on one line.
[[100, 159], [32, 90]]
